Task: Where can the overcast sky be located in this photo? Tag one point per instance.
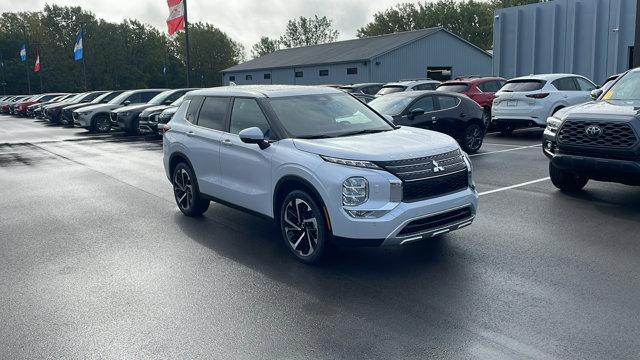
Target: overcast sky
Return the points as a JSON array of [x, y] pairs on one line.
[[244, 20]]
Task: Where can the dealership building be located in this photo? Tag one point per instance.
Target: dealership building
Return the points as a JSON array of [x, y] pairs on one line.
[[594, 38], [434, 53]]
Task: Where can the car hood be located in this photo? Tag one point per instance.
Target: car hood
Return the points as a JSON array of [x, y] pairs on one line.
[[153, 109], [133, 108], [98, 107], [597, 110], [76, 106], [404, 143]]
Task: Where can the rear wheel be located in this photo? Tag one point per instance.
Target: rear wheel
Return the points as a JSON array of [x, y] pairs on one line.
[[186, 192], [566, 181], [101, 124], [303, 227], [472, 138]]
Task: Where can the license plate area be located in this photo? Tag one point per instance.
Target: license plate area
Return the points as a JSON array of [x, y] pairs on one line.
[[512, 103]]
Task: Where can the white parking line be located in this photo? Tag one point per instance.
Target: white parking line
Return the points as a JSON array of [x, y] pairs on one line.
[[496, 144], [507, 150], [515, 186]]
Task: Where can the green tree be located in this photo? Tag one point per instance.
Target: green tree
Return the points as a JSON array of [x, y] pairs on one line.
[[265, 46], [308, 31]]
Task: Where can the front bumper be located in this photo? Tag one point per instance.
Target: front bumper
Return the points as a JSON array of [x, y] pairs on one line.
[[81, 120], [148, 125]]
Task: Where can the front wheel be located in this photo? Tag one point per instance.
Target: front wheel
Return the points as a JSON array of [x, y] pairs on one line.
[[303, 227], [101, 124], [566, 181], [472, 138], [186, 192]]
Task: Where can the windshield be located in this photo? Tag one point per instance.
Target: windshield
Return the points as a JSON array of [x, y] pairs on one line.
[[75, 98], [325, 116], [523, 85], [386, 90], [179, 101], [391, 105], [456, 88], [99, 99], [120, 98], [160, 98], [626, 90]]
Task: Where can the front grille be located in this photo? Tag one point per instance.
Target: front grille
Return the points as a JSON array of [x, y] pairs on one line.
[[114, 117], [429, 176], [614, 134], [436, 221]]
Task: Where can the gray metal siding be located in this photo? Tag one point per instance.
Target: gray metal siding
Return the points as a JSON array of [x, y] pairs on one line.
[[587, 37], [439, 49]]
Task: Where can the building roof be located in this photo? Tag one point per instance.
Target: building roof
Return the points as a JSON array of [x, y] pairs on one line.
[[260, 91], [338, 52]]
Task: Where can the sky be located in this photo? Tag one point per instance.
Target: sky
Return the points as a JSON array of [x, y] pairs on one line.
[[244, 20]]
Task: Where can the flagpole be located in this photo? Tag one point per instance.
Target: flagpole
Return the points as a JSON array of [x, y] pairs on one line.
[[24, 33], [40, 69], [4, 89], [186, 40], [84, 64]]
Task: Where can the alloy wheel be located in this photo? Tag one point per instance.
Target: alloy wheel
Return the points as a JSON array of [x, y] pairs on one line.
[[183, 189], [301, 227], [473, 138], [102, 124]]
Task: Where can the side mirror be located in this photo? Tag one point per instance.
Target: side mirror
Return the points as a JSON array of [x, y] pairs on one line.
[[595, 94], [416, 112], [253, 135], [127, 102]]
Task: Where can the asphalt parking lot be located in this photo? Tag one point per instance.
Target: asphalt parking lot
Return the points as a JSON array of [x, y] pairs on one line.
[[98, 262]]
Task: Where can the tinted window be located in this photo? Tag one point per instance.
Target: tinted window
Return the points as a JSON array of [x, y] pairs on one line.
[[134, 98], [352, 71], [245, 114], [426, 87], [523, 85], [213, 112], [146, 96], [391, 105], [490, 86], [110, 96], [391, 89], [324, 72], [425, 103], [192, 110], [457, 88], [585, 85], [565, 84], [447, 102], [371, 90]]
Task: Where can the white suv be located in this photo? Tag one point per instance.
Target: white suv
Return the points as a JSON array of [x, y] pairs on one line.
[[323, 165], [528, 101]]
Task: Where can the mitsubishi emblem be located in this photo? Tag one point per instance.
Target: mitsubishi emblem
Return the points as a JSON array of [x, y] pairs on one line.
[[437, 167]]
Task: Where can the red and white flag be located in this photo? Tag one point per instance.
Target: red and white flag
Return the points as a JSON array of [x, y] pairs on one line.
[[36, 67], [175, 21]]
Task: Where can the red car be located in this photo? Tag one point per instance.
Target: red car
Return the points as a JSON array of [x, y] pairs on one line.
[[21, 107], [480, 89]]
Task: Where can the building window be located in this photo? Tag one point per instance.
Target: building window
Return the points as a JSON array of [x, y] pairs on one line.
[[352, 71], [267, 76], [299, 74], [232, 78], [249, 77], [324, 72]]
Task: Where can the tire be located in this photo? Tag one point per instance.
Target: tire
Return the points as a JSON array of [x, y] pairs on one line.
[[101, 124], [64, 121], [566, 181], [486, 117], [472, 138], [303, 227], [186, 192]]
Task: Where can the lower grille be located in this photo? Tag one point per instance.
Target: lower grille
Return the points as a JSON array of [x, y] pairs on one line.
[[436, 221], [437, 186], [612, 134]]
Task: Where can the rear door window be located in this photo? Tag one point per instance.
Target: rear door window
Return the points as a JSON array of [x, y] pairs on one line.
[[565, 84], [213, 113], [523, 85], [448, 102], [425, 103]]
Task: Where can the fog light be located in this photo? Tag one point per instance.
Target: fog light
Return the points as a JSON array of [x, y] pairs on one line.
[[366, 214]]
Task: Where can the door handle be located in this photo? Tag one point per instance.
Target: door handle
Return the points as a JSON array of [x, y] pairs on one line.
[[191, 134], [227, 142]]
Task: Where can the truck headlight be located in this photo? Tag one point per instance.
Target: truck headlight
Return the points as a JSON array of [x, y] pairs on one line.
[[355, 191], [467, 161], [553, 124]]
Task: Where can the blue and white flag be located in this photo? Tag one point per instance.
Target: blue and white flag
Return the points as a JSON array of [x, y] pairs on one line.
[[23, 52], [78, 50]]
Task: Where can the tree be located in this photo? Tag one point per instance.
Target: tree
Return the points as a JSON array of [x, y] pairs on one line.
[[308, 31], [265, 46]]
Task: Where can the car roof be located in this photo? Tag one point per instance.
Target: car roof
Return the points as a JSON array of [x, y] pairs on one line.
[[420, 93], [265, 91], [546, 77], [362, 85], [473, 80], [411, 82]]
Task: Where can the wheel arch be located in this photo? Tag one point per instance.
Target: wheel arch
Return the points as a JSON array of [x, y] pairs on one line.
[[288, 183], [178, 157]]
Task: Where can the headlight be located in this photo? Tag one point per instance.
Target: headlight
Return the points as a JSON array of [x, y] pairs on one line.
[[467, 161], [553, 123], [355, 191], [354, 163]]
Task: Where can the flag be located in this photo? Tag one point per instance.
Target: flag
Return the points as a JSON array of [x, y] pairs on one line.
[[176, 19], [36, 67], [23, 52], [78, 50]]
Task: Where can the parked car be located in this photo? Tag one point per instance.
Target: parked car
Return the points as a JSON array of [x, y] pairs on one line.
[[598, 140], [408, 85], [13, 105], [6, 105], [366, 88], [128, 118], [38, 111], [52, 112], [21, 107], [161, 114], [480, 89], [364, 97], [96, 97], [96, 117], [449, 113], [320, 163], [528, 101]]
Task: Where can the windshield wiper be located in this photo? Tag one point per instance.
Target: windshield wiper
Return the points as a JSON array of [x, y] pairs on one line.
[[363, 132]]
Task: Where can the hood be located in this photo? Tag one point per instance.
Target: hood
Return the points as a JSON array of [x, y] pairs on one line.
[[57, 104], [404, 143], [76, 106], [598, 110], [133, 108], [153, 109], [98, 107]]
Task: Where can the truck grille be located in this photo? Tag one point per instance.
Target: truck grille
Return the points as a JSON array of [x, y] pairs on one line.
[[429, 176], [614, 134]]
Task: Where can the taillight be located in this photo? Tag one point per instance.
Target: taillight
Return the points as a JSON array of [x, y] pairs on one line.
[[538, 96]]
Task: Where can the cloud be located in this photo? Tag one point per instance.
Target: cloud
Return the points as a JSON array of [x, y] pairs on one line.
[[244, 20]]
